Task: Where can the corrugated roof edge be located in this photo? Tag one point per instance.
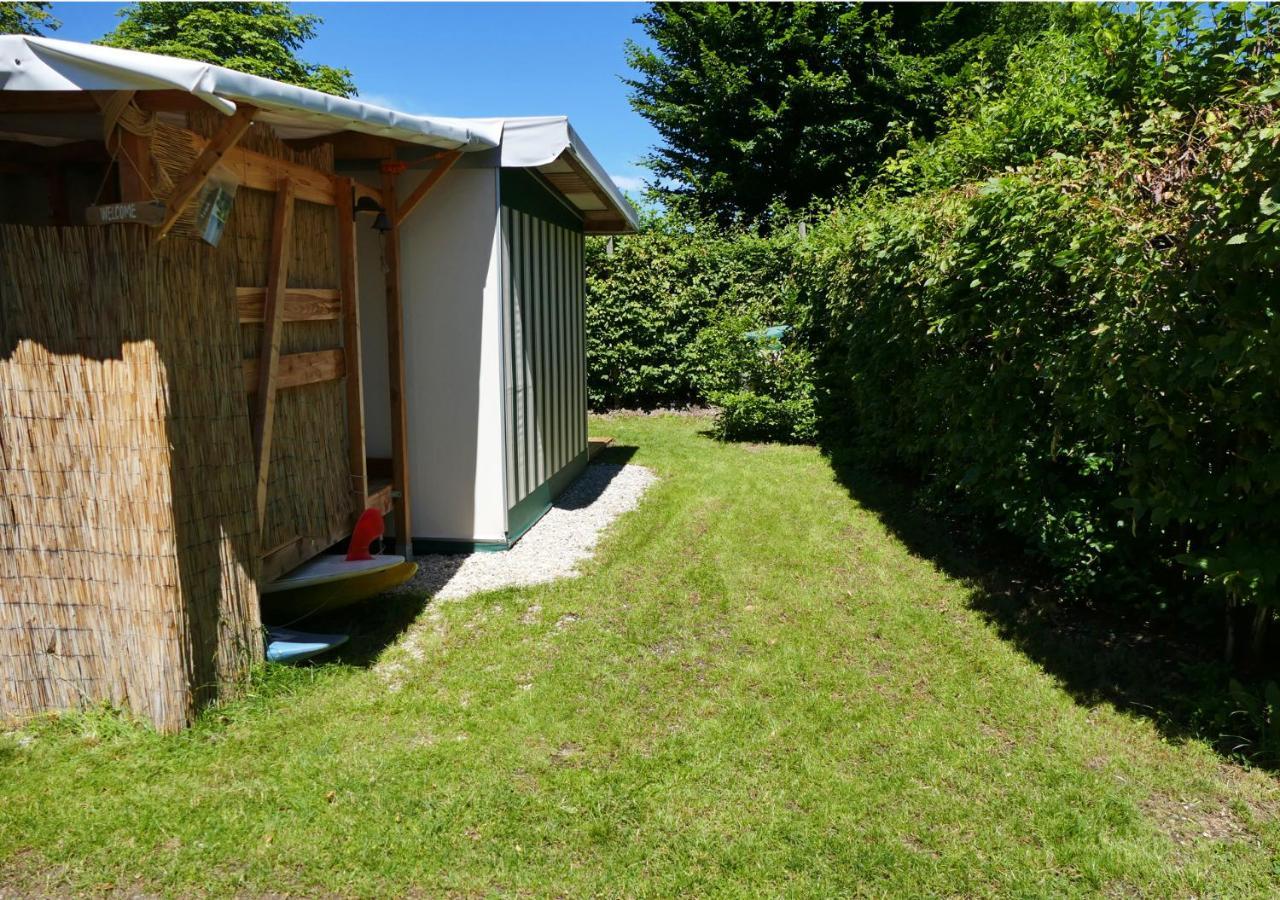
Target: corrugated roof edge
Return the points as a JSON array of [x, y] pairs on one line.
[[601, 177]]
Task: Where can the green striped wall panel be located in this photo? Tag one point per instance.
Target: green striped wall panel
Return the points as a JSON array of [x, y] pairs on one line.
[[544, 364]]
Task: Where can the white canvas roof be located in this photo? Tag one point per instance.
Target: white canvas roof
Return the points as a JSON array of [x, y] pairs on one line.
[[545, 143], [44, 64]]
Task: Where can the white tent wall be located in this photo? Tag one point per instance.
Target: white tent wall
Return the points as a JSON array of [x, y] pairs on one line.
[[452, 349]]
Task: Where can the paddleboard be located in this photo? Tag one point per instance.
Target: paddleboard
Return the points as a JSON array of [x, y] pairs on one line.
[[330, 567], [287, 645], [316, 594]]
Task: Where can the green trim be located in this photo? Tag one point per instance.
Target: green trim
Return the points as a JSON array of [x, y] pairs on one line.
[[520, 190], [565, 476], [444, 545], [525, 514]]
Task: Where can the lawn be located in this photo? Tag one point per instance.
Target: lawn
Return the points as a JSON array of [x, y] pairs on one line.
[[757, 688]]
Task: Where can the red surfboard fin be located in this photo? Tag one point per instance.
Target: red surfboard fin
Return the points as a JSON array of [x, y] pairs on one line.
[[368, 529]]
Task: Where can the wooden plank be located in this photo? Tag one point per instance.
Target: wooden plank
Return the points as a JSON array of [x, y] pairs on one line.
[[210, 155], [300, 304], [147, 212], [290, 555], [273, 327], [596, 446], [169, 101], [133, 159], [49, 101], [395, 371], [296, 369], [351, 145], [348, 272], [432, 179], [380, 499], [264, 173]]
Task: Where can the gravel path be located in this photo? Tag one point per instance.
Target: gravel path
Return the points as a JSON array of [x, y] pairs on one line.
[[552, 548]]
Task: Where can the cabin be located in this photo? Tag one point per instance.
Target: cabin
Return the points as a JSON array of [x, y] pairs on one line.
[[236, 313]]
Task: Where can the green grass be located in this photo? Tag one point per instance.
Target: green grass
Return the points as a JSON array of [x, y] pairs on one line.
[[756, 689]]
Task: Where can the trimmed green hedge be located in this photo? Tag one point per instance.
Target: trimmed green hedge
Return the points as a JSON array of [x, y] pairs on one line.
[[1061, 315], [1086, 349], [667, 317]]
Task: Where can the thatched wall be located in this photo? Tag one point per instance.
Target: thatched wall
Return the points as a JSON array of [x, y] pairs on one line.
[[128, 547], [309, 488]]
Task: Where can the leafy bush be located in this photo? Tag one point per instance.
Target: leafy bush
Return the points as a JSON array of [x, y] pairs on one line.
[[667, 311], [1083, 346], [749, 416], [1059, 314]]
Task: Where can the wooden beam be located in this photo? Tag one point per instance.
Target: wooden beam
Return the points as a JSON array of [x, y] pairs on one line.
[[433, 177], [169, 101], [300, 304], [351, 145], [395, 371], [190, 183], [88, 152], [273, 327], [264, 173], [381, 500], [136, 170], [349, 273], [49, 101], [297, 369]]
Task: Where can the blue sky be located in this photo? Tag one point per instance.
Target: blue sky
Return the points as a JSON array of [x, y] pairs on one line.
[[477, 59]]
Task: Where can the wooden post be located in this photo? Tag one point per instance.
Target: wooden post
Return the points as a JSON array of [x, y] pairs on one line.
[[190, 183], [272, 328], [395, 368], [134, 163], [350, 294]]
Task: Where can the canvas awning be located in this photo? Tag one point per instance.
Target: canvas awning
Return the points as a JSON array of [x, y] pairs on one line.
[[551, 146], [45, 64], [547, 144]]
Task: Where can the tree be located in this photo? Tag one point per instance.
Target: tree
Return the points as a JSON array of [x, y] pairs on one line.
[[758, 103], [26, 18], [258, 38]]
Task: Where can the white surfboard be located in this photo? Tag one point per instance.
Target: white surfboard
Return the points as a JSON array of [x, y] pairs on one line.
[[332, 567]]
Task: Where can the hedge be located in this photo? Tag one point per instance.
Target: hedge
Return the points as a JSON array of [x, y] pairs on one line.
[[1060, 314], [1085, 349]]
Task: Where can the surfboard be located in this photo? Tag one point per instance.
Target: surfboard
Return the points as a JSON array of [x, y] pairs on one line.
[[330, 567], [287, 645], [325, 595]]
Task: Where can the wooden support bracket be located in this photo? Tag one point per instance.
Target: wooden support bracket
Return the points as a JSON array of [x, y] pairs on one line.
[[190, 183], [433, 177], [272, 328]]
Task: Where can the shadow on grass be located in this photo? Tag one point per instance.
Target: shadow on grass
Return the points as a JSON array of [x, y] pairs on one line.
[[1165, 671], [375, 624]]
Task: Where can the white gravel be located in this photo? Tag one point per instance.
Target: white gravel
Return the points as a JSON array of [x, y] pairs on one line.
[[552, 548]]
